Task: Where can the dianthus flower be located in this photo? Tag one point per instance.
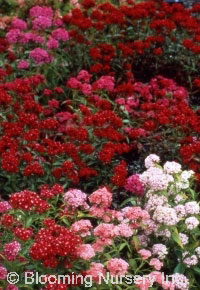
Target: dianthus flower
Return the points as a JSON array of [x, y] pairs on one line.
[[60, 34], [41, 22], [11, 250], [40, 56], [37, 11], [4, 206], [3, 273], [157, 264], [134, 185], [75, 198], [101, 197], [191, 261], [192, 207], [191, 223], [19, 24], [86, 252], [159, 250], [52, 43], [165, 215], [13, 36], [23, 64], [181, 282], [96, 270], [151, 160], [82, 227], [29, 201], [52, 243], [172, 167], [104, 83], [145, 254], [117, 267]]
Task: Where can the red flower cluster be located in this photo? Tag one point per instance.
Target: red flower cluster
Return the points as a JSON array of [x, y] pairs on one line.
[[29, 201], [52, 243]]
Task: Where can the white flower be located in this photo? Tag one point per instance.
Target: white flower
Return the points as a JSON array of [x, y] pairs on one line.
[[172, 167], [192, 207], [180, 281], [186, 174], [197, 251], [191, 223], [191, 261], [160, 250], [184, 239], [165, 215], [151, 160]]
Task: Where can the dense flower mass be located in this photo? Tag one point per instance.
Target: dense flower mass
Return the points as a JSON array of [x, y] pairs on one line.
[[99, 144]]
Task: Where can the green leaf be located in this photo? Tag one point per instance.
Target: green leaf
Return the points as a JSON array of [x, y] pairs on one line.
[[176, 237], [180, 268]]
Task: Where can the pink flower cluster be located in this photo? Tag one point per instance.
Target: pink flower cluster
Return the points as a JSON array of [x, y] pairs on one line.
[[105, 83], [37, 11], [40, 56], [41, 22], [3, 273], [82, 227], [95, 270], [86, 252], [60, 34], [130, 104], [134, 185], [4, 206], [117, 267], [75, 198], [18, 23], [11, 250]]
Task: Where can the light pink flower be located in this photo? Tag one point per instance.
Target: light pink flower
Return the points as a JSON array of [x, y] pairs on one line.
[[117, 267]]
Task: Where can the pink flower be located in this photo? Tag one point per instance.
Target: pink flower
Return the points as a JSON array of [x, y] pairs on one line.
[[84, 76], [14, 35], [53, 103], [41, 11], [101, 197], [123, 230], [82, 227], [60, 34], [121, 101], [86, 89], [23, 64], [11, 250], [58, 22], [134, 185], [19, 24], [145, 254], [117, 267], [74, 83], [157, 264], [11, 287], [75, 198], [104, 83], [95, 270], [4, 206], [41, 22], [3, 273], [86, 252], [40, 56], [52, 43]]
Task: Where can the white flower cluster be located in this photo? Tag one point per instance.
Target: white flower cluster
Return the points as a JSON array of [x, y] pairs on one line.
[[191, 261], [191, 223], [165, 215], [181, 282], [160, 251], [184, 239]]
